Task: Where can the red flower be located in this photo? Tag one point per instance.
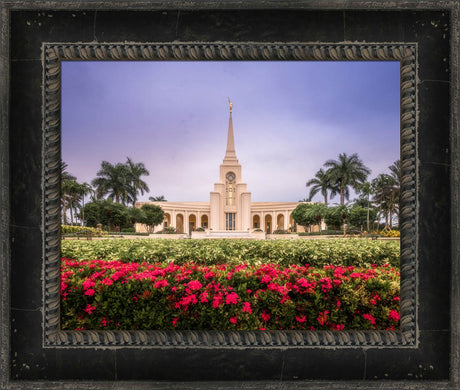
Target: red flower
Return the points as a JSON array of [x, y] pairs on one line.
[[194, 285], [233, 320], [322, 317], [300, 319], [265, 316], [232, 298], [90, 292], [370, 318], [394, 315], [247, 307], [160, 283], [89, 309]]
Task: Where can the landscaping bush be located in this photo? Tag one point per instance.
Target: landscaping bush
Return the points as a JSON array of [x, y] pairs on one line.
[[317, 253], [281, 231], [97, 294], [69, 229]]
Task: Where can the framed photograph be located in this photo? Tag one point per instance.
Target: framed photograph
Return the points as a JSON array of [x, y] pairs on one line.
[[89, 87]]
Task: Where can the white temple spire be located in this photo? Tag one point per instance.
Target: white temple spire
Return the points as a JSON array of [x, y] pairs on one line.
[[230, 155]]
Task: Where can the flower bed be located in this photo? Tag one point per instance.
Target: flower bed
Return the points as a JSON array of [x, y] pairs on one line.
[[99, 294], [317, 253]]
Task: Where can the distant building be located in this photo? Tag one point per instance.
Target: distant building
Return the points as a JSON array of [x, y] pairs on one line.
[[230, 207]]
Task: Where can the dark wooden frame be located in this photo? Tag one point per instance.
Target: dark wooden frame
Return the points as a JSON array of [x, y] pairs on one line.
[[35, 354]]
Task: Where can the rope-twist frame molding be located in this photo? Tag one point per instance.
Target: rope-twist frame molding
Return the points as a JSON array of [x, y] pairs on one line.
[[53, 54]]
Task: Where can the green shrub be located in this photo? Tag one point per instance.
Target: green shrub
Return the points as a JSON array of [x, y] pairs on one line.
[[345, 252], [115, 295], [69, 229]]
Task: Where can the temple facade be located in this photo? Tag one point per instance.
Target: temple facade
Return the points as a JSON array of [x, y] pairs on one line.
[[230, 208]]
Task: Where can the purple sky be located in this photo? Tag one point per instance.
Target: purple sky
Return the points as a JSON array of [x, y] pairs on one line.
[[288, 119]]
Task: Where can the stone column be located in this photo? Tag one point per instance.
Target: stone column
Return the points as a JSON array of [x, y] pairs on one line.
[[186, 228]]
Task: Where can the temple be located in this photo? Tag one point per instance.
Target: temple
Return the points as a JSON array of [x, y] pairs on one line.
[[230, 209]]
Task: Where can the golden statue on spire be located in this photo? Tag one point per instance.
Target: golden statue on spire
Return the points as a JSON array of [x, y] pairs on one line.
[[231, 104]]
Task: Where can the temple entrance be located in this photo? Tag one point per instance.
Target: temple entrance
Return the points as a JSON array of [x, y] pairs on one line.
[[167, 220], [280, 222], [204, 221], [256, 222], [191, 223], [179, 223], [229, 221], [268, 224]]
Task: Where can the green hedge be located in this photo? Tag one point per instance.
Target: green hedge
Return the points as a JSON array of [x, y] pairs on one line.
[[69, 229], [116, 295], [356, 252]]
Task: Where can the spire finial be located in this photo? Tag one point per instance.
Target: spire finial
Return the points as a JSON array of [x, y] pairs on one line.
[[231, 104]]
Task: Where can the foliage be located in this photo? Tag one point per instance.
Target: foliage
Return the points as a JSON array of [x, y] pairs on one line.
[[168, 230], [121, 182], [107, 213], [98, 294], [321, 183], [302, 216], [344, 252], [66, 229], [358, 215], [347, 171], [280, 231], [153, 215], [160, 198]]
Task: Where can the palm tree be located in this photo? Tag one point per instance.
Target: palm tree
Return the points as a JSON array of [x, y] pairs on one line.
[[321, 183], [135, 171], [347, 171], [66, 179], [366, 191], [113, 180], [383, 188], [84, 190], [396, 173], [317, 211], [160, 198]]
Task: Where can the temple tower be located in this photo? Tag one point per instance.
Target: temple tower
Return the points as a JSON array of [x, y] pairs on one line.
[[230, 201]]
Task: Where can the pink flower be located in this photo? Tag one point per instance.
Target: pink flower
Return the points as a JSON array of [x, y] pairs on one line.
[[233, 320], [370, 318], [247, 307], [394, 315], [322, 317], [232, 298], [339, 326], [204, 297], [160, 283], [265, 316], [175, 321], [107, 282], [300, 319], [89, 309], [88, 284], [194, 285], [104, 321], [90, 292], [216, 300]]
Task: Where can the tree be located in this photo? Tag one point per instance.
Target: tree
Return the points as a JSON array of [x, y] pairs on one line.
[[338, 215], [365, 190], [347, 171], [135, 215], [396, 173], [106, 212], [359, 216], [135, 171], [385, 196], [153, 215], [84, 190], [317, 211], [66, 179], [301, 215], [321, 183], [160, 198], [113, 180]]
